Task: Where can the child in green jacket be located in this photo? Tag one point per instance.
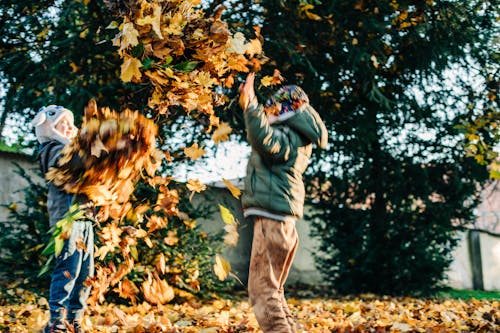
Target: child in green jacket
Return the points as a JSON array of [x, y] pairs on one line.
[[281, 134]]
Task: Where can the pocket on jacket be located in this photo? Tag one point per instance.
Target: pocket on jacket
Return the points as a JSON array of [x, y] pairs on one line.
[[253, 180]]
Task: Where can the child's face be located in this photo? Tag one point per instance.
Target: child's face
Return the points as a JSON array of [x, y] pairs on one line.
[[66, 128]]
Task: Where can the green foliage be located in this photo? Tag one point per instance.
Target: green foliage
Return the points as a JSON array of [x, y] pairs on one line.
[[189, 253], [59, 52], [186, 252], [466, 294]]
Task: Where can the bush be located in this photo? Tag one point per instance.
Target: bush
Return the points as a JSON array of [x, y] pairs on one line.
[[177, 252]]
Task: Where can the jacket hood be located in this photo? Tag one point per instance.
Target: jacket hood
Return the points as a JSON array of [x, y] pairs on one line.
[[46, 120], [307, 122]]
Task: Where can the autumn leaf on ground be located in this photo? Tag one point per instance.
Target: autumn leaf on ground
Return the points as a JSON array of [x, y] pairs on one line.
[[194, 152], [236, 192]]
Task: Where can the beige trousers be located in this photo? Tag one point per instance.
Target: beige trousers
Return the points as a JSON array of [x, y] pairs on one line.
[[273, 249]]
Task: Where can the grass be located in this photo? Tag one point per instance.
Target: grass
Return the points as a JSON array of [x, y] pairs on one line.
[[14, 148], [467, 294]]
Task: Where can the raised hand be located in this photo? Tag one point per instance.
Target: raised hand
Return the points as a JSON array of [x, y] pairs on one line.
[[247, 92]]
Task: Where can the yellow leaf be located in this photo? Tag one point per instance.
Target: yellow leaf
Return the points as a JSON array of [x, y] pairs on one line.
[[130, 69], [272, 80], [236, 192], [226, 215], [222, 132], [231, 237], [154, 20], [204, 79], [374, 60], [266, 81], [194, 152], [253, 47], [221, 267], [129, 36], [237, 44], [176, 24], [194, 185]]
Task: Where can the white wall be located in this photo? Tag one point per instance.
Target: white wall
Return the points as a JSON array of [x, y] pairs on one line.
[[490, 255], [460, 272], [11, 184]]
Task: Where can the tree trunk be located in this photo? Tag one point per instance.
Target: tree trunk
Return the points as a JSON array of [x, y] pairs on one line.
[[474, 240]]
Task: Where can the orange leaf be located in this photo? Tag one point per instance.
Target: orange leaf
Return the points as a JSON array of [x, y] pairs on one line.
[[236, 192], [222, 132], [194, 152]]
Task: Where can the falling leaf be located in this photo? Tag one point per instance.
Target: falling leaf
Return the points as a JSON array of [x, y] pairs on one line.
[[232, 235], [237, 43], [266, 81], [97, 148], [236, 192], [226, 215], [276, 79], [129, 36], [221, 267], [156, 290], [130, 69], [154, 20], [194, 185], [222, 132], [253, 47], [194, 152]]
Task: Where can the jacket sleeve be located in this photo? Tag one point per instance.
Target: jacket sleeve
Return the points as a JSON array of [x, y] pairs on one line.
[[54, 154], [271, 142]]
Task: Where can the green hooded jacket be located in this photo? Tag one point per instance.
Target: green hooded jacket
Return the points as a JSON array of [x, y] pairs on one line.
[[279, 157]]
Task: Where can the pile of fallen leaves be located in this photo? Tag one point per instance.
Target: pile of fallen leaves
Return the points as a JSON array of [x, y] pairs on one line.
[[367, 313]]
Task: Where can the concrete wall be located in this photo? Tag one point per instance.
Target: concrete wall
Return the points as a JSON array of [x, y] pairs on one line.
[[11, 184], [303, 269]]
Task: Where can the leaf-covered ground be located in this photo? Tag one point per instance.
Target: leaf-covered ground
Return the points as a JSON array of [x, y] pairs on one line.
[[363, 314]]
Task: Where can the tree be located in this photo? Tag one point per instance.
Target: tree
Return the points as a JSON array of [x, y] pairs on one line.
[[170, 63], [394, 81]]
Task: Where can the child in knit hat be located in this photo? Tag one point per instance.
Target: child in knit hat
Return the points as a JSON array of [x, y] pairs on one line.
[[54, 128], [281, 133]]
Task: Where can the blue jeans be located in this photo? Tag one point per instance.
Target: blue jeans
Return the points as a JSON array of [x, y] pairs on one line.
[[68, 295]]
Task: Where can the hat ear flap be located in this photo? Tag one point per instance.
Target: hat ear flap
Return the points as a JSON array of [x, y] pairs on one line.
[[39, 119]]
